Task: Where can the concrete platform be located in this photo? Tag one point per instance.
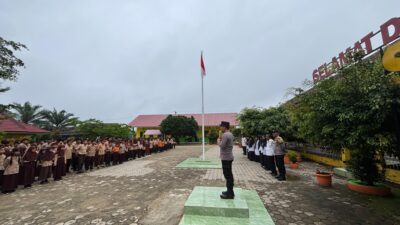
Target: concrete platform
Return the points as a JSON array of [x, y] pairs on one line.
[[205, 201], [198, 163], [204, 206]]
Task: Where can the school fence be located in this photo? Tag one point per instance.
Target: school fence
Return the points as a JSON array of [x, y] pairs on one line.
[[338, 158]]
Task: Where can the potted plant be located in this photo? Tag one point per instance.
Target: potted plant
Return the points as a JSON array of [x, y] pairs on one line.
[[363, 165], [299, 157], [293, 160], [323, 178], [286, 159]]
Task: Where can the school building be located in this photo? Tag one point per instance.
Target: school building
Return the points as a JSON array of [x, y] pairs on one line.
[[148, 125]]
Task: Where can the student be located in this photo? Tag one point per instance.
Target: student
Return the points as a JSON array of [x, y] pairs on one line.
[[46, 158], [11, 171], [279, 151], [2, 158], [74, 159], [269, 151], [122, 150], [135, 146], [250, 150], [262, 152], [81, 152], [115, 154], [101, 151], [91, 153], [244, 147], [29, 165], [257, 150], [59, 163], [68, 156], [108, 153]]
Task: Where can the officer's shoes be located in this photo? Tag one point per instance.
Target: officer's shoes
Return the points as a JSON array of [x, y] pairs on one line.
[[227, 196], [281, 178]]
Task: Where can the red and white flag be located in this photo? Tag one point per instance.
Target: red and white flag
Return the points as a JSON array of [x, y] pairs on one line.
[[203, 68]]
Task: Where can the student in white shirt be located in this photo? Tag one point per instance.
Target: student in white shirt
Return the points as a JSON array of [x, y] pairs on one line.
[[269, 152], [257, 150], [250, 149], [244, 140]]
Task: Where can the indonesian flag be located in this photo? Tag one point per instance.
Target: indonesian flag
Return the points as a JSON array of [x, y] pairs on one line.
[[203, 68]]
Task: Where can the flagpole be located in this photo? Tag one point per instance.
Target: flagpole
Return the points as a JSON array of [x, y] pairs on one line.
[[202, 113]]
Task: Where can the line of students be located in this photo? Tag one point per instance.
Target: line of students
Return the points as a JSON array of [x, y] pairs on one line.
[[269, 151], [21, 163]]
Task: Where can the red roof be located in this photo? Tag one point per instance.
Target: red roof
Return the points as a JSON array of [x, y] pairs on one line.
[[10, 125], [210, 119]]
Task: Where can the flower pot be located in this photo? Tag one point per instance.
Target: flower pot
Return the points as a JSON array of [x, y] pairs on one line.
[[286, 159], [378, 190], [324, 179], [294, 165]]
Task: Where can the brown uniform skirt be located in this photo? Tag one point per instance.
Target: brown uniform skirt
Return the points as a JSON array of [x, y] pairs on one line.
[[10, 182], [45, 173], [29, 172]]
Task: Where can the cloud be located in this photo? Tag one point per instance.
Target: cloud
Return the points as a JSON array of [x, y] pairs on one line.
[[113, 60]]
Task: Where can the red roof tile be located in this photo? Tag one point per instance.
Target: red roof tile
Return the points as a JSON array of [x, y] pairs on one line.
[[210, 119], [10, 125]]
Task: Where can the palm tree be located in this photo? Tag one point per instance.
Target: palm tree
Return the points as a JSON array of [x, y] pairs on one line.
[[58, 120], [27, 113]]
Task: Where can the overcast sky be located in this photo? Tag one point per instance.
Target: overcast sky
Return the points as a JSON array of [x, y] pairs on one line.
[[113, 60]]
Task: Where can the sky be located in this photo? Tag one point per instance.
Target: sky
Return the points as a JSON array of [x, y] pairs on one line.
[[114, 60]]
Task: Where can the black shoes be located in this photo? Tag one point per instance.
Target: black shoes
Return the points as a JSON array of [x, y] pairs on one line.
[[227, 196], [281, 178]]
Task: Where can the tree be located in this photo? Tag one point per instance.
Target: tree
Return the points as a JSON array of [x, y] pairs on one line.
[[259, 121], [9, 65], [250, 121], [56, 121], [93, 128], [179, 126], [213, 135], [28, 113]]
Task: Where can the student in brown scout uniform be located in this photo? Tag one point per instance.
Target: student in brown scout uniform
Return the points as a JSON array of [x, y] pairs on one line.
[[68, 155], [91, 153], [22, 147], [46, 161], [115, 154], [59, 163], [101, 151], [81, 151], [108, 154], [146, 147], [29, 166], [122, 151], [11, 170], [2, 158], [135, 149]]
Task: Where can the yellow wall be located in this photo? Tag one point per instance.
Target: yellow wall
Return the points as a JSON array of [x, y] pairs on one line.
[[325, 160], [393, 175], [390, 174]]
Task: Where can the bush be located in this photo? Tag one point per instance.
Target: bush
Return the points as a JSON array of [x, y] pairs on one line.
[[362, 164], [292, 156]]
